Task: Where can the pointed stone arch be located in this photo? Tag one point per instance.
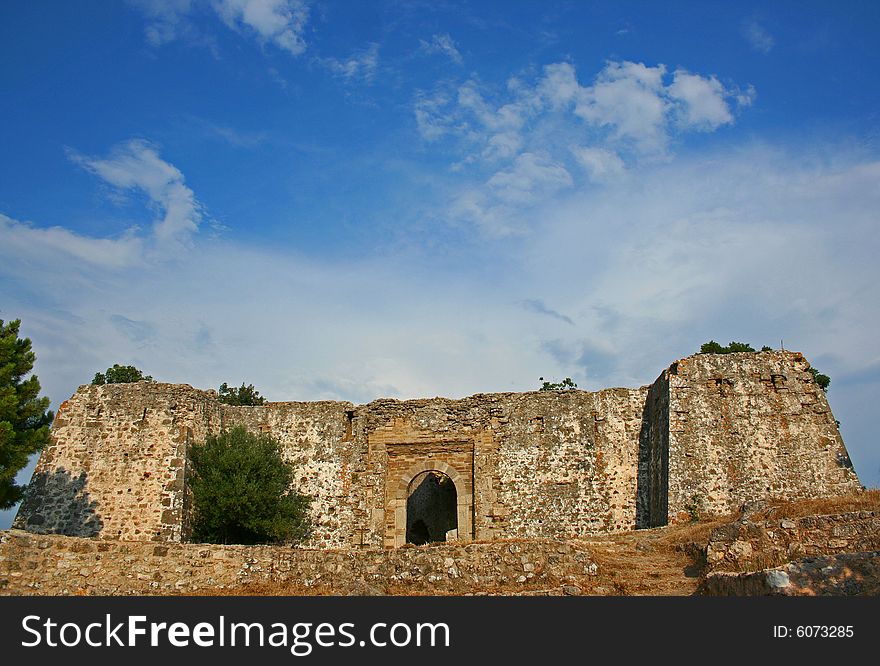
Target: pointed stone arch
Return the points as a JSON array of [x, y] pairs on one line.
[[431, 508], [463, 504]]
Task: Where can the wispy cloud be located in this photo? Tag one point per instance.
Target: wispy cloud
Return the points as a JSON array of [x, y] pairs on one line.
[[360, 66], [759, 39], [167, 20], [535, 138], [444, 45], [278, 22], [136, 165], [137, 331], [236, 138], [495, 206], [539, 307], [600, 164], [281, 22]]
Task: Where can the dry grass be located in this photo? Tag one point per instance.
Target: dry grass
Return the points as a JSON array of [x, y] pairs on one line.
[[867, 500]]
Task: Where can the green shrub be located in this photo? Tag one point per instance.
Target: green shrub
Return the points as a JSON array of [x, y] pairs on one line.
[[241, 492], [713, 347], [822, 380], [243, 395], [120, 374], [565, 385]]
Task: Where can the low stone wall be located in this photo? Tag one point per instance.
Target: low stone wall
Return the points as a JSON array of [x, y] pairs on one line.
[[754, 543], [847, 574], [32, 564]]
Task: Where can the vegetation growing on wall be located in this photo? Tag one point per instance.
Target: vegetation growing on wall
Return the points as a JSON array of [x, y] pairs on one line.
[[24, 416], [120, 374], [243, 395], [241, 491], [565, 385], [712, 347]]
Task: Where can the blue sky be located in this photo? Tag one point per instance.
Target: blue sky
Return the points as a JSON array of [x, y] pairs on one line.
[[350, 200]]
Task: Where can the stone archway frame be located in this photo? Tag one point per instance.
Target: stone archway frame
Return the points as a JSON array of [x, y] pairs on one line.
[[464, 498]]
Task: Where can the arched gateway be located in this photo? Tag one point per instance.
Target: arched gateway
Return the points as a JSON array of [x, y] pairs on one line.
[[431, 508], [430, 500]]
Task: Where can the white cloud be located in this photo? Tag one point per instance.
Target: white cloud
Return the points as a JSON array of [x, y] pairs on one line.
[[497, 207], [281, 22], [504, 145], [759, 39], [601, 165], [702, 105], [131, 166], [24, 242], [631, 114], [559, 85], [628, 97], [507, 117], [361, 65], [631, 110], [442, 44], [135, 165]]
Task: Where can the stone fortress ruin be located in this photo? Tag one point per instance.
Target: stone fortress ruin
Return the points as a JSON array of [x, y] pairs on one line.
[[711, 433]]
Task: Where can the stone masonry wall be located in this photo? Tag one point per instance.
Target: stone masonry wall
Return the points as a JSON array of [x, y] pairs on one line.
[[116, 464], [544, 464], [540, 464], [568, 462], [718, 430], [52, 564], [844, 574], [749, 426], [761, 541]]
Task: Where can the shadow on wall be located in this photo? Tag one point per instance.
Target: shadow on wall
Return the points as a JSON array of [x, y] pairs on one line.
[[652, 494], [57, 503]]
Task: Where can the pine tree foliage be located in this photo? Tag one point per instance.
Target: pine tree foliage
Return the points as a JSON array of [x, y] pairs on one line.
[[24, 415]]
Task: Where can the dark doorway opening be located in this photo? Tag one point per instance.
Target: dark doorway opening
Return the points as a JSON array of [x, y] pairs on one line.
[[431, 508]]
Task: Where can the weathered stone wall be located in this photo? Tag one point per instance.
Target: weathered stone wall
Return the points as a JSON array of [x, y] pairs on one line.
[[759, 542], [538, 464], [568, 463], [117, 460], [748, 426], [119, 457], [846, 574], [51, 564], [713, 430]]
